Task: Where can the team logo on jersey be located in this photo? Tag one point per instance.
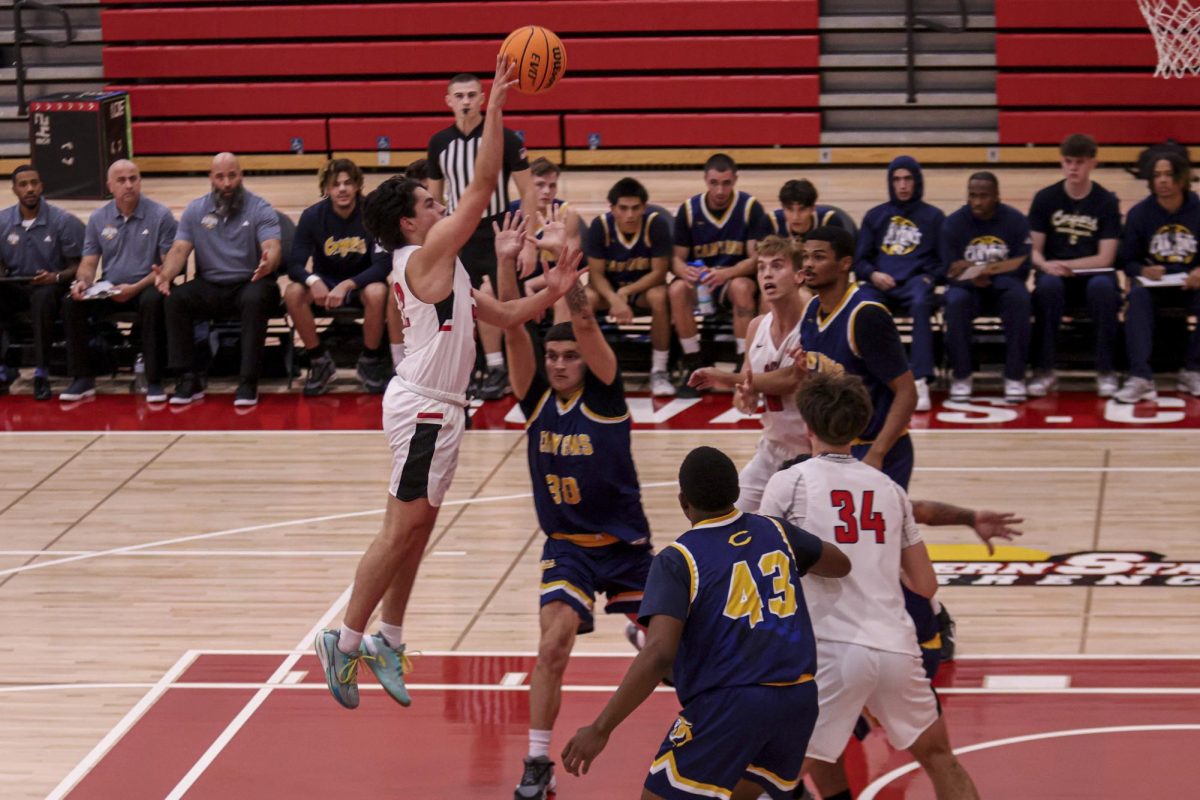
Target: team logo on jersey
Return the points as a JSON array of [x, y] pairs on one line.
[[902, 237], [546, 564], [209, 221], [1074, 225], [1022, 566], [740, 538], [14, 239], [351, 245], [819, 362], [109, 233], [681, 732], [1173, 244], [986, 249]]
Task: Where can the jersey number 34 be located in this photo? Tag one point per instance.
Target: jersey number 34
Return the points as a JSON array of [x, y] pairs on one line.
[[867, 519], [745, 601]]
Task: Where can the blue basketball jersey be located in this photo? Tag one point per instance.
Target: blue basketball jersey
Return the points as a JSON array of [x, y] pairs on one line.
[[628, 258], [585, 485], [735, 581], [835, 343], [719, 240]]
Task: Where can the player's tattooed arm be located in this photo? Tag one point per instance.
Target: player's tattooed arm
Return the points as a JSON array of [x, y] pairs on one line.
[[577, 302], [988, 525], [932, 512]]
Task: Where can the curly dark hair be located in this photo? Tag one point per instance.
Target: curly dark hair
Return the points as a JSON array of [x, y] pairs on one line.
[[391, 201]]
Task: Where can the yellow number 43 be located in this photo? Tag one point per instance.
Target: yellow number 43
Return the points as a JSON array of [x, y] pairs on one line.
[[744, 600]]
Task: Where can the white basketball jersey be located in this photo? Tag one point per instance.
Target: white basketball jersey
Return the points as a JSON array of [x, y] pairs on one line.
[[439, 338], [783, 427], [869, 517]]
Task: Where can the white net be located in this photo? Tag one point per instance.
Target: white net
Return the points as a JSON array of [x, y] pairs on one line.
[[1175, 25]]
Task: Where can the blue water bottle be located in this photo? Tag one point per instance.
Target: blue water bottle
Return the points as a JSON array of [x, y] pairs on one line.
[[704, 298]]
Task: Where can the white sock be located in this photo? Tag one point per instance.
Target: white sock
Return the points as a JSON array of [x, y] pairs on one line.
[[539, 743], [495, 360], [658, 360], [392, 634], [740, 345], [349, 639], [691, 344], [397, 353], [937, 607]]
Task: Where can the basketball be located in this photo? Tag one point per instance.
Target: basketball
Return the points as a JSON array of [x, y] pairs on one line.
[[540, 56]]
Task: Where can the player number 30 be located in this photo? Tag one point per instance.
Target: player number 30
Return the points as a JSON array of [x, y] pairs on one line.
[[744, 599], [563, 490]]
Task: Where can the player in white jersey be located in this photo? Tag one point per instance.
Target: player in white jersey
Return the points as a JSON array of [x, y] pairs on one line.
[[424, 409], [866, 644], [774, 337]]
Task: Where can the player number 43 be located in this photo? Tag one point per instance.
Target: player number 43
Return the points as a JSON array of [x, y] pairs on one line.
[[866, 520], [744, 599]]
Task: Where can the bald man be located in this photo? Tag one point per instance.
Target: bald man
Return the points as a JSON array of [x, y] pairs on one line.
[[235, 236], [125, 238]]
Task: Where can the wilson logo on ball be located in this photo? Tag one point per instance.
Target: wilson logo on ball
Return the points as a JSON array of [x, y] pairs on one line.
[[540, 56]]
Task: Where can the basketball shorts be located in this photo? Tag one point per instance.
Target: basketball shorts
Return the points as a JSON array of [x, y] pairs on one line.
[[892, 686], [425, 436], [898, 463], [574, 574], [723, 736], [767, 460]]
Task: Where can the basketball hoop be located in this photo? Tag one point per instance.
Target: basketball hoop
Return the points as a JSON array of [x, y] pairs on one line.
[[1175, 26]]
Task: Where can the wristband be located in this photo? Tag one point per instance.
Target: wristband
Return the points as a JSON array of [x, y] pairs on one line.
[[310, 280]]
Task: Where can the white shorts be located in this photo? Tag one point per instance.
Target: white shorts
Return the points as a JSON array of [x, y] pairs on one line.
[[424, 435], [768, 458], [892, 686]]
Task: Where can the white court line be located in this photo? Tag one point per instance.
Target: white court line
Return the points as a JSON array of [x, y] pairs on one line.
[[276, 679], [880, 783], [629, 653], [121, 728], [133, 548], [1041, 430]]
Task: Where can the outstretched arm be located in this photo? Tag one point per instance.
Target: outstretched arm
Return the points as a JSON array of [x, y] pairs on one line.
[[559, 280]]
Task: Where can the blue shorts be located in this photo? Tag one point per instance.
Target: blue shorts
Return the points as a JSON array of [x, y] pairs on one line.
[[574, 574], [755, 733], [898, 463], [351, 299]]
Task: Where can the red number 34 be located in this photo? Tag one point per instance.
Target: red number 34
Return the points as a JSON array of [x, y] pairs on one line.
[[867, 520]]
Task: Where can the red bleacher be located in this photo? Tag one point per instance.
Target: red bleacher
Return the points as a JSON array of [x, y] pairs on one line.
[[1111, 127], [1068, 14]]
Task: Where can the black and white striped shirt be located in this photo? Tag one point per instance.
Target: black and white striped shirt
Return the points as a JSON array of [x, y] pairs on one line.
[[452, 157]]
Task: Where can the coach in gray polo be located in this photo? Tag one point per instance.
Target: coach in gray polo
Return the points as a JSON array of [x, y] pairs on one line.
[[125, 238], [236, 238], [39, 248]]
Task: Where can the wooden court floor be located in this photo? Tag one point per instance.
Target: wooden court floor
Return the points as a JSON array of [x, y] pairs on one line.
[[119, 552]]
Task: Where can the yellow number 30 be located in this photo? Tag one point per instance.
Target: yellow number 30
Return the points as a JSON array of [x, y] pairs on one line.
[[563, 490], [744, 599]]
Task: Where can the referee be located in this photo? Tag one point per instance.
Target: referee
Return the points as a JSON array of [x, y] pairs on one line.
[[451, 164]]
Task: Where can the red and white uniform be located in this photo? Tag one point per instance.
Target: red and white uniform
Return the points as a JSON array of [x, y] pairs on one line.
[[424, 408], [867, 650], [784, 436]]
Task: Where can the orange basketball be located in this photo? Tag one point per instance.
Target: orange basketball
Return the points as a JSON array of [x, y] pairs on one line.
[[540, 56]]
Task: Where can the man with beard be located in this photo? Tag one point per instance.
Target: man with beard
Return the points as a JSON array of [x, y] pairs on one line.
[[236, 237], [346, 271], [130, 234], [40, 245]]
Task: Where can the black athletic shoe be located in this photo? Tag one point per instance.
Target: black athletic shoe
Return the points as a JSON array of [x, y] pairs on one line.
[[187, 389], [247, 394], [495, 385], [41, 388], [321, 372], [689, 364], [373, 373], [78, 390], [947, 628], [537, 782]]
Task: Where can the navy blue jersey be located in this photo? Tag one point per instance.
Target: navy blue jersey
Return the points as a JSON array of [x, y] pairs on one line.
[[1155, 236], [735, 582], [719, 238], [985, 241], [585, 486], [628, 258], [860, 338], [823, 215]]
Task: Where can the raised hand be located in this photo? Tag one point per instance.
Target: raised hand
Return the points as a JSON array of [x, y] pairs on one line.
[[502, 82], [563, 276], [510, 237], [553, 234]]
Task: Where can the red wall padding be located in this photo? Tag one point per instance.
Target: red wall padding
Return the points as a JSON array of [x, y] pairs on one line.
[[1068, 14], [333, 21], [694, 130], [392, 97], [1075, 50], [676, 53], [1100, 90], [1107, 127], [412, 133], [244, 136]]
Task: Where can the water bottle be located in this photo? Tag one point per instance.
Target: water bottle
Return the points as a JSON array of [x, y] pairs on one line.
[[139, 375], [704, 298]]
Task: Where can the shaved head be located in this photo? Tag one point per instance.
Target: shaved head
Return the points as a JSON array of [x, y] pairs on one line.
[[225, 161], [121, 165], [125, 184]]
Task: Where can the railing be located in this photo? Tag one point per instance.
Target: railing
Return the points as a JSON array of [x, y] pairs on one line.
[[911, 23], [22, 37]]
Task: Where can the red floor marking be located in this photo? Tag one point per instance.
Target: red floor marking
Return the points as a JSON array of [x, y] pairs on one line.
[[346, 411], [469, 743]]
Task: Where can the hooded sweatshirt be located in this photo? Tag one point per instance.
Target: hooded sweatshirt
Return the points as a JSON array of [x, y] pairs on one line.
[[1154, 235], [900, 239]]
